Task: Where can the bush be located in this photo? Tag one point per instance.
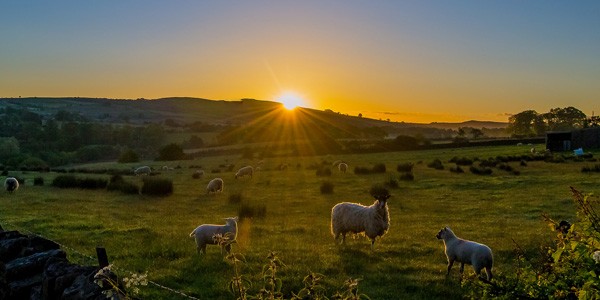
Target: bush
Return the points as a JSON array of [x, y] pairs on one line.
[[480, 171], [38, 181], [595, 168], [117, 183], [235, 198], [436, 164], [405, 167], [461, 161], [323, 171], [252, 211], [391, 183], [326, 187], [157, 187], [70, 181], [196, 175], [171, 152], [505, 167], [408, 176], [456, 169], [377, 168]]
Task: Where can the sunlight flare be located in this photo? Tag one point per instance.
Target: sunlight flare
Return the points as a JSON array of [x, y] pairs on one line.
[[290, 100]]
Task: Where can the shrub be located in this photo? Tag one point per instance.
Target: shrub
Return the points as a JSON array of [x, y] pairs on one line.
[[405, 167], [595, 168], [21, 180], [505, 167], [235, 198], [171, 152], [379, 168], [252, 211], [157, 186], [196, 175], [408, 176], [391, 183], [117, 183], [456, 169], [461, 161], [323, 171], [480, 171], [326, 187], [70, 181], [436, 164], [523, 163], [38, 181], [489, 163], [361, 170]]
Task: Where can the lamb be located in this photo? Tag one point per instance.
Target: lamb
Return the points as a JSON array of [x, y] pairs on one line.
[[466, 252], [247, 170], [204, 234], [11, 184], [343, 167], [372, 220], [215, 185], [144, 170]]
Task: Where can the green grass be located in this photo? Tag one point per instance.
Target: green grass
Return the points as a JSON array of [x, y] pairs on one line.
[[152, 233]]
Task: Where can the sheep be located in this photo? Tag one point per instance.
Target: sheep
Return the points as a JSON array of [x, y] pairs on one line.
[[204, 234], [372, 220], [247, 170], [215, 185], [532, 150], [343, 167], [466, 252], [11, 184], [336, 163], [144, 170]]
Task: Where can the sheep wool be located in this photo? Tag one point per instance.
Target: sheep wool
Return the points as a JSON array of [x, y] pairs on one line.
[[466, 252], [247, 170], [356, 218], [204, 234], [145, 170], [215, 185], [11, 184]]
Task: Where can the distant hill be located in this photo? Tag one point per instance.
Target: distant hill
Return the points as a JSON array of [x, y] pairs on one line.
[[189, 110]]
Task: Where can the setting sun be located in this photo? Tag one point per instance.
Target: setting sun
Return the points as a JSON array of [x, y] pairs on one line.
[[290, 100]]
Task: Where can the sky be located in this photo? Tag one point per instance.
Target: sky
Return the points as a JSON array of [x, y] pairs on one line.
[[406, 60]]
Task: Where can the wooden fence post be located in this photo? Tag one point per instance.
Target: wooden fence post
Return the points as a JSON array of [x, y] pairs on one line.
[[102, 257]]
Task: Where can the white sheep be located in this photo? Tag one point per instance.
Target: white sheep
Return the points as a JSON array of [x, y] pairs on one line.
[[372, 220], [199, 172], [204, 234], [247, 170], [144, 170], [343, 167], [215, 185], [336, 163], [11, 184], [466, 252]]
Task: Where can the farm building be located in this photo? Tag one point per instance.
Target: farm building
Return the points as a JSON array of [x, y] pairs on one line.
[[568, 140]]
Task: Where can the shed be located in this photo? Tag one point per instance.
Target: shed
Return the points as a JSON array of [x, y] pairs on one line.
[[568, 140]]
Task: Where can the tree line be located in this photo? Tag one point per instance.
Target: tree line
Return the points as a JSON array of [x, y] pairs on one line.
[[530, 123]]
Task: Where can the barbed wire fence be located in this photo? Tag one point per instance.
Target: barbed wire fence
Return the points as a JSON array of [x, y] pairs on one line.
[[95, 260]]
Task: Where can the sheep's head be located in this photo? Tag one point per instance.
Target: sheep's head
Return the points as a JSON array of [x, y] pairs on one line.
[[381, 194], [443, 233], [231, 221]]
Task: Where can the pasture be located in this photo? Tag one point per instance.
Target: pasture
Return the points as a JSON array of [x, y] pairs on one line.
[[151, 234]]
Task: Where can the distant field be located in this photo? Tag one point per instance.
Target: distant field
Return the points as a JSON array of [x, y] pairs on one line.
[[151, 233]]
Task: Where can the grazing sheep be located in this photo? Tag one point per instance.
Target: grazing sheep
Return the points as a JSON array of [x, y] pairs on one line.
[[204, 234], [247, 170], [466, 252], [336, 163], [145, 170], [532, 150], [373, 220], [215, 185], [11, 184], [199, 172], [343, 167]]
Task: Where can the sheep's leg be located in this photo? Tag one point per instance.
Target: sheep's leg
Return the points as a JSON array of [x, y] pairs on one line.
[[203, 249], [488, 271], [450, 263], [462, 268]]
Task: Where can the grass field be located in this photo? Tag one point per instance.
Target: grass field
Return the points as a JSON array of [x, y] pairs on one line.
[[152, 233]]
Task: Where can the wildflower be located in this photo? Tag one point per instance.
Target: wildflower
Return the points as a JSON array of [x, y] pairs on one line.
[[596, 256]]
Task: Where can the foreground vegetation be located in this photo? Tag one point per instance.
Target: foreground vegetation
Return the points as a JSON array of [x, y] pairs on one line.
[[287, 212]]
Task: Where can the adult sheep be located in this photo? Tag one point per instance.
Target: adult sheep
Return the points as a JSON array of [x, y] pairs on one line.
[[466, 252], [247, 170], [144, 170], [205, 234], [355, 218], [215, 185], [343, 167], [11, 184]]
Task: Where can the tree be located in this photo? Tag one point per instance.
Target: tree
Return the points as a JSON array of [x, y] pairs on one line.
[[476, 133], [128, 156], [521, 123], [564, 118], [171, 152]]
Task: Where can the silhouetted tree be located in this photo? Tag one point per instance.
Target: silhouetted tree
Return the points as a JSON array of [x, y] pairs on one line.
[[171, 152]]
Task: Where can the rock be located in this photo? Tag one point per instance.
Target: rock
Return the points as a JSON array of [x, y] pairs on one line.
[[21, 289], [30, 265], [12, 248], [59, 275], [3, 282]]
